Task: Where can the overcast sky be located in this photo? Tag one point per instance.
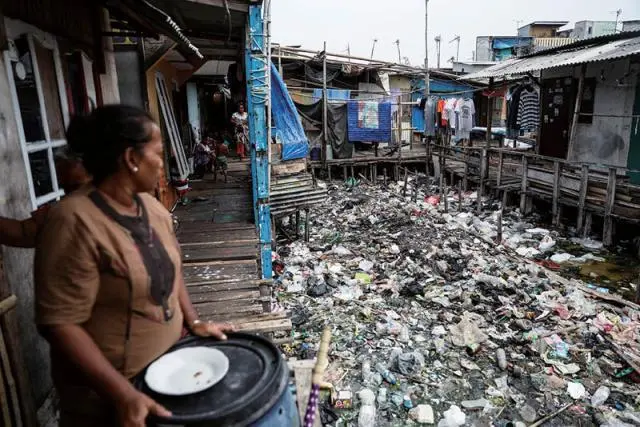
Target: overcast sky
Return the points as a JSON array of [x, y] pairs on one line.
[[358, 22]]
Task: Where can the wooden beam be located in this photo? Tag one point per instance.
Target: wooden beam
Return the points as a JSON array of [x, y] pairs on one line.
[[584, 186], [555, 209], [489, 115], [607, 238], [524, 185], [576, 111], [159, 55]]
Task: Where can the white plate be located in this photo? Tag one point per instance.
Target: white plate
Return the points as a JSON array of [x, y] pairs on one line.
[[187, 371]]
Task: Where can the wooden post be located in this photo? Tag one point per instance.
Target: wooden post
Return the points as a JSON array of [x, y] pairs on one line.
[[483, 167], [500, 167], [384, 174], [465, 177], [459, 196], [344, 172], [307, 223], [297, 224], [374, 173], [313, 176], [489, 115], [582, 198], [329, 173], [406, 179], [445, 198], [607, 238], [353, 174], [524, 184], [576, 112], [586, 231], [427, 160], [399, 129], [499, 228], [415, 190], [325, 124], [555, 211]]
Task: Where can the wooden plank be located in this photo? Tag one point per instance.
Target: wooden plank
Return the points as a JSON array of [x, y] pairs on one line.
[[302, 378], [584, 186], [209, 227], [263, 327], [232, 295], [221, 270], [203, 288], [607, 238], [203, 253], [555, 209], [228, 307]]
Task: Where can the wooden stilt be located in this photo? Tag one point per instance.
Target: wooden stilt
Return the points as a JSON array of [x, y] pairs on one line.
[[459, 196], [607, 238], [307, 222], [505, 198], [415, 190], [483, 167], [445, 198], [297, 224], [313, 175], [384, 174], [555, 212], [500, 167], [329, 174], [586, 231], [524, 185], [465, 177], [499, 228], [406, 179], [582, 198], [353, 174], [344, 173]]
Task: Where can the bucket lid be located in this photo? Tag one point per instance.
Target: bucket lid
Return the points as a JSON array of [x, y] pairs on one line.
[[257, 377]]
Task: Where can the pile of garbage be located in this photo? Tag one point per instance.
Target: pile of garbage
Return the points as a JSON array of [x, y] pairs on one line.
[[436, 323]]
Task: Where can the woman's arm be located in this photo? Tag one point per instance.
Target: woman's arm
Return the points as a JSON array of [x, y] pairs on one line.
[[20, 234], [193, 323], [76, 344]]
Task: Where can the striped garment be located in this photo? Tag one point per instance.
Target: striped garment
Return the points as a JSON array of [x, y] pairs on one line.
[[529, 111]]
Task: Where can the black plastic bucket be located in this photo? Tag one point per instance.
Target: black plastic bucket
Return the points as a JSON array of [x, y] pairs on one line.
[[255, 391]]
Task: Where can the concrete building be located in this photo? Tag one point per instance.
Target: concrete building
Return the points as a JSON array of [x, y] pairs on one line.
[[587, 29], [542, 29]]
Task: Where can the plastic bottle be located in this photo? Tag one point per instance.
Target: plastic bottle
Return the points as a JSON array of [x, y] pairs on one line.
[[366, 371], [600, 396], [501, 358], [367, 415], [388, 376], [382, 396]]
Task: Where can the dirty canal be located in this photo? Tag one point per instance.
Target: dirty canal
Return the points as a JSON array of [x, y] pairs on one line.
[[434, 323]]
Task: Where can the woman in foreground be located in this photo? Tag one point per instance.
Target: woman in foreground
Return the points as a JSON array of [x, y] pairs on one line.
[[110, 295]]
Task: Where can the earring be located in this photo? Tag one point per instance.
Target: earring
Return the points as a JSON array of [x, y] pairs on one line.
[[135, 169]]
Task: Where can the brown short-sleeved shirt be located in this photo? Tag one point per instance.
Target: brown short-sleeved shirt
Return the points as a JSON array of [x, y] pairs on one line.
[[88, 271]]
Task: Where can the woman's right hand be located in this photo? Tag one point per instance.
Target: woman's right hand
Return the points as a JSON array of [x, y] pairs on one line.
[[134, 408]]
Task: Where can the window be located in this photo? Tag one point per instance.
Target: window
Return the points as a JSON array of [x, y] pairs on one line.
[[40, 105]]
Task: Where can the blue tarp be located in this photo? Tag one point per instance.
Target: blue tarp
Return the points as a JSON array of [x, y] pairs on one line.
[[369, 121], [289, 130], [332, 95]]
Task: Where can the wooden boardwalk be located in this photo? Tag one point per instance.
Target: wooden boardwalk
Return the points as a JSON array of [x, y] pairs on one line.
[[220, 253]]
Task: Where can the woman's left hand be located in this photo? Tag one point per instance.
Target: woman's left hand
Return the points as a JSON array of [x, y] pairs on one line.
[[210, 329]]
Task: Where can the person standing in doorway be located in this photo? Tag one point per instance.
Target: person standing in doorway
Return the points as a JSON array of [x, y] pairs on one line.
[[240, 122]]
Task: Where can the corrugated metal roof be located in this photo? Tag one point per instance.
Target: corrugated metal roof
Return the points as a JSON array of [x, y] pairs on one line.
[[613, 50]]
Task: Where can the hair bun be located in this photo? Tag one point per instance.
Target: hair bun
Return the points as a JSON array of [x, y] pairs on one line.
[[79, 133]]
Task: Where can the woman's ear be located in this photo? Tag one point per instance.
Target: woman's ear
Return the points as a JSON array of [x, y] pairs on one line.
[[131, 160]]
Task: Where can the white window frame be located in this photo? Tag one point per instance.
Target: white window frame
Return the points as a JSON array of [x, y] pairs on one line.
[[171, 126], [16, 29]]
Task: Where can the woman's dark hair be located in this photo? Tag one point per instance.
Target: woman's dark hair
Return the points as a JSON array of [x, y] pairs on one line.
[[104, 135]]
